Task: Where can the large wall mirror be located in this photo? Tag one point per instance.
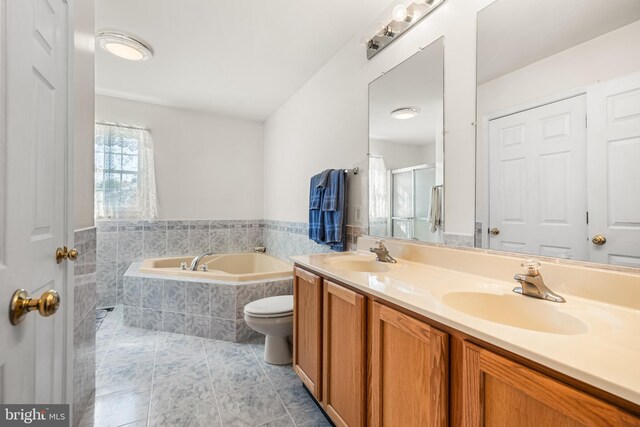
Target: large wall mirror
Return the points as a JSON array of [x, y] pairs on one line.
[[406, 189], [558, 135]]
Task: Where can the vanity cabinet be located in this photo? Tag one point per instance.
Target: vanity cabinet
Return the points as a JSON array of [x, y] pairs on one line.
[[307, 330], [409, 370], [344, 355], [498, 391], [371, 363]]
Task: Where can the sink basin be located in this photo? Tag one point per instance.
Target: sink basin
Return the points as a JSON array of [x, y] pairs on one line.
[[358, 263], [517, 311]]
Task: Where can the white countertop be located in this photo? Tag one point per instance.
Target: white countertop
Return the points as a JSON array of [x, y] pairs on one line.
[[602, 348]]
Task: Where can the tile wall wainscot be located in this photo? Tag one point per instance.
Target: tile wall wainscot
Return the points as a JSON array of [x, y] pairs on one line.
[[122, 242], [84, 321], [203, 308], [458, 240]]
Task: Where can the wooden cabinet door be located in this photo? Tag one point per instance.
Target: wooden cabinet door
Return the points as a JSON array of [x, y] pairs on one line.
[[307, 330], [344, 366], [409, 369], [500, 392]]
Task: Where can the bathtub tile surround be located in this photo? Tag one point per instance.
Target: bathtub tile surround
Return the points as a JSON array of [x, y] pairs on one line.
[[173, 379], [84, 321], [198, 308], [122, 242]]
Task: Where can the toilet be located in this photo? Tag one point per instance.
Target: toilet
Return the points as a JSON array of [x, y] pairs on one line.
[[272, 317]]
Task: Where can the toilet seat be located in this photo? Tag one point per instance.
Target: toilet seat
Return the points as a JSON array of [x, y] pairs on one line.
[[271, 307]]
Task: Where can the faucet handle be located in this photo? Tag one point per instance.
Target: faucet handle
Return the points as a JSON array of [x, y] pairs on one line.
[[380, 243], [531, 267]]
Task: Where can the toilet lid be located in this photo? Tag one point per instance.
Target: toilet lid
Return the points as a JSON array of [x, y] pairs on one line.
[[270, 307]]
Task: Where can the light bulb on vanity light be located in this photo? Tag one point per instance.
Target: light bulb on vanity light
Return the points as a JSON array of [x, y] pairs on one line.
[[401, 13], [427, 2]]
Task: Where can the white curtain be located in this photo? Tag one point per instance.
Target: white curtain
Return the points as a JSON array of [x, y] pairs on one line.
[[125, 184], [378, 197]]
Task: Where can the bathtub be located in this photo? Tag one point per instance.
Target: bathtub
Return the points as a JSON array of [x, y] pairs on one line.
[[223, 267]]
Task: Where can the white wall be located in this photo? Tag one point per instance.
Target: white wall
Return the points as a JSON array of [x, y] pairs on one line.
[[207, 166], [324, 125], [397, 156], [83, 92], [611, 55]]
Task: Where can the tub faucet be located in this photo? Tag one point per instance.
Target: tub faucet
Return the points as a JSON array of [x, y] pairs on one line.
[[382, 253], [532, 284], [196, 260]]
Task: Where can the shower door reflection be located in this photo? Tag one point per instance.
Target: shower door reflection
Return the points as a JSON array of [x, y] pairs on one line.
[[411, 190]]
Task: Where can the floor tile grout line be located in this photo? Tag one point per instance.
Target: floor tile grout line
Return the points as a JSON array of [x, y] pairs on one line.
[[153, 377], [215, 397], [272, 385], [108, 345]]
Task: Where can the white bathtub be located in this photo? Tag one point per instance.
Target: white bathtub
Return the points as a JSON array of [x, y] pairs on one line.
[[224, 267]]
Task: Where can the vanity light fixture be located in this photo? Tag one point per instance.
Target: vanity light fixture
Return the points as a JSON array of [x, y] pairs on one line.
[[400, 13], [404, 17], [123, 46], [405, 113]]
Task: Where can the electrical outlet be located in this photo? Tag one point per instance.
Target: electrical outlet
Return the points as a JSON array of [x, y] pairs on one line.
[[357, 214]]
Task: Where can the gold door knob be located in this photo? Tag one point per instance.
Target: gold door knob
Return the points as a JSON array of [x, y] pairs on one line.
[[21, 304], [599, 240], [64, 253], [494, 231]]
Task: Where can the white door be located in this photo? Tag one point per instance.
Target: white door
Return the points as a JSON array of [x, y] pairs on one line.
[[537, 191], [614, 170], [33, 144]]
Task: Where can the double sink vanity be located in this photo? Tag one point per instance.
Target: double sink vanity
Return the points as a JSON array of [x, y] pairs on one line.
[[440, 338]]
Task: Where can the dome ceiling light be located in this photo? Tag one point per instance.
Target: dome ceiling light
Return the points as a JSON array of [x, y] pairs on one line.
[[405, 113], [123, 46]]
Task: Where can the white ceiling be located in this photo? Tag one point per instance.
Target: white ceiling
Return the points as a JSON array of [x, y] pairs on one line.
[[239, 58], [417, 82], [515, 33]]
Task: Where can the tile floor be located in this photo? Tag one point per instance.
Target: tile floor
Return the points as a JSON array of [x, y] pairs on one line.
[[148, 378]]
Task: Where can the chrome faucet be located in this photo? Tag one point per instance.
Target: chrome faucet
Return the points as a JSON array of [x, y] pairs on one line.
[[196, 260], [532, 284], [382, 253]]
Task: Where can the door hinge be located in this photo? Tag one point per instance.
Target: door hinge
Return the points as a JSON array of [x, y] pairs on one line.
[[586, 120], [587, 217]]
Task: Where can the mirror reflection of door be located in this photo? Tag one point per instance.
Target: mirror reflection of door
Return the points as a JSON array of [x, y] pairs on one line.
[[537, 193], [406, 148], [558, 131]]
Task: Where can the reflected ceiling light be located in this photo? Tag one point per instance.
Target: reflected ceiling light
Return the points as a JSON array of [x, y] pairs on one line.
[[405, 113], [123, 46], [400, 13]]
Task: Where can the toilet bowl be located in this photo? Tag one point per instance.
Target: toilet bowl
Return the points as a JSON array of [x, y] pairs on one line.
[[272, 317]]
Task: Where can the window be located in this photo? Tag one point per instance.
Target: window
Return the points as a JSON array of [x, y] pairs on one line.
[[124, 173]]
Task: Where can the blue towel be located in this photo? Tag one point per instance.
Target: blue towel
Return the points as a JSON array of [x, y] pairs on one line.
[[334, 210], [316, 193]]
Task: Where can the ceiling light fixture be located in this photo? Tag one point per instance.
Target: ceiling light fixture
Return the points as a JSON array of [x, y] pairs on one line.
[[404, 18], [123, 46], [405, 113]]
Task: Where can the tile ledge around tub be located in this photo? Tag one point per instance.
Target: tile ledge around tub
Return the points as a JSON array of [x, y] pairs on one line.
[[134, 271]]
